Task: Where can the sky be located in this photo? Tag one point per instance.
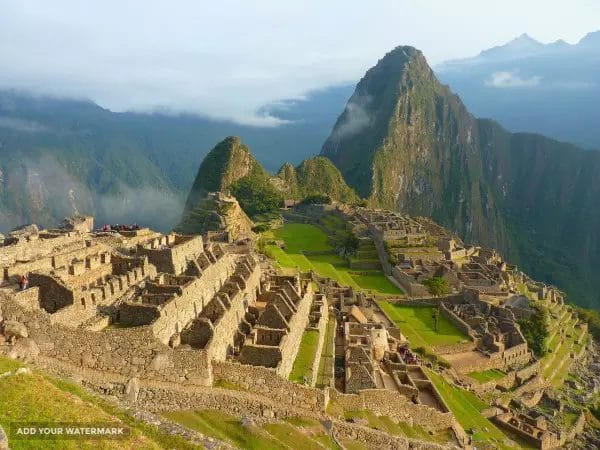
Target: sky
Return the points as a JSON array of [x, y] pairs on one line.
[[227, 58]]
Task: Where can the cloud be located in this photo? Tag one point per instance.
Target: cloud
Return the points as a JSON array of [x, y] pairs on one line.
[[512, 79], [27, 126], [49, 190], [355, 117], [160, 210], [226, 59]]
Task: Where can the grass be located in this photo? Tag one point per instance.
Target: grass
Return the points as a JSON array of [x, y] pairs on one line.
[[390, 426], [305, 357], [467, 408], [224, 427], [301, 240], [35, 397], [226, 384], [301, 433], [417, 324], [327, 356], [484, 376], [373, 280]]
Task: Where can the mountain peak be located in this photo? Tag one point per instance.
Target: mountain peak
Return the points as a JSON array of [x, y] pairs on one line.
[[590, 39], [229, 161], [522, 45]]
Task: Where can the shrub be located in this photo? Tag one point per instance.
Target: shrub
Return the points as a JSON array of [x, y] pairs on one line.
[[261, 227], [535, 331], [316, 199], [437, 286]]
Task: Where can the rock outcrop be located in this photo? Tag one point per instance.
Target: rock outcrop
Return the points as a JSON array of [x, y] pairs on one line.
[[220, 213]]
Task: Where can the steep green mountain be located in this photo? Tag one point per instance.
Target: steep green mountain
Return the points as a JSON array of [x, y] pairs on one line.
[[407, 142], [314, 176], [60, 156], [230, 167]]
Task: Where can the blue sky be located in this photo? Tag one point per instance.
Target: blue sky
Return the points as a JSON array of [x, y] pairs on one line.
[[225, 59]]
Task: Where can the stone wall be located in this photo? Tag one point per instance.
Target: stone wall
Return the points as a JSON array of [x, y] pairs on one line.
[[322, 329], [130, 352], [290, 343], [226, 327], [180, 310], [173, 255], [265, 381], [386, 403]]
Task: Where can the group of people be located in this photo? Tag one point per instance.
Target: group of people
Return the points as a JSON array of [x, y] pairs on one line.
[[118, 227]]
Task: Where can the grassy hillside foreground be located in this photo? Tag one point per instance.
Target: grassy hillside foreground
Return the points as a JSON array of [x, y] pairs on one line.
[[34, 397]]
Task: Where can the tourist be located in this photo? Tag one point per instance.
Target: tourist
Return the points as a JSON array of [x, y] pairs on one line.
[[24, 282]]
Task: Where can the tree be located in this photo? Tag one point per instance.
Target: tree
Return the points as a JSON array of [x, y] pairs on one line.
[[436, 316], [535, 331], [437, 286], [316, 199]]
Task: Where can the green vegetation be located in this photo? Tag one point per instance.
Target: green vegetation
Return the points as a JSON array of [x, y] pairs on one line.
[[432, 357], [316, 179], [301, 433], [327, 356], [467, 408], [256, 195], [35, 397], [302, 368], [390, 426], [307, 247], [535, 330], [316, 199], [437, 286], [417, 323], [226, 384], [484, 376], [592, 318]]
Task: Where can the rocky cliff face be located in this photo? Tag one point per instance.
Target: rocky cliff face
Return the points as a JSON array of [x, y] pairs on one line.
[[217, 212], [405, 141]]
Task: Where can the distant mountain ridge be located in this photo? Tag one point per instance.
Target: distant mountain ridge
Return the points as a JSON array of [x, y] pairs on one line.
[[528, 86], [408, 143], [65, 156]]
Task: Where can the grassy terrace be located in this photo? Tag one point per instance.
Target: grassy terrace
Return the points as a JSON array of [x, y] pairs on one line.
[[308, 247], [327, 356], [306, 355], [417, 324], [296, 433], [484, 376], [35, 397], [387, 424], [557, 363], [467, 408]]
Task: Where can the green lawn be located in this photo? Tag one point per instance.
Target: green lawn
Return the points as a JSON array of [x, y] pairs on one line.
[[281, 436], [376, 281], [306, 356], [327, 356], [417, 324], [301, 239], [484, 376], [467, 408]]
